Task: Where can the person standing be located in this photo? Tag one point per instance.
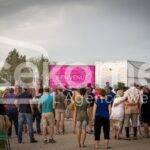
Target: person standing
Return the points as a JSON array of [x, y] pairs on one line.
[[59, 111], [37, 113], [145, 111], [48, 121], [91, 99], [81, 105], [101, 113], [117, 114], [25, 115], [132, 108]]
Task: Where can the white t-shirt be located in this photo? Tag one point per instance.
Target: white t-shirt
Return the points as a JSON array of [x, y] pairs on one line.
[[117, 112]]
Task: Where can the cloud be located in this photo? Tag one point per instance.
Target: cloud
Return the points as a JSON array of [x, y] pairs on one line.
[[79, 30]]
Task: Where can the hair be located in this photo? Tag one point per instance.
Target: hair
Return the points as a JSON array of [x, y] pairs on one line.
[[82, 91], [46, 89], [41, 90], [11, 90], [89, 85], [103, 92], [26, 89]]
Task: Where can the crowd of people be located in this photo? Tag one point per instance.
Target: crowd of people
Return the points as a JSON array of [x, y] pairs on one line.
[[90, 108]]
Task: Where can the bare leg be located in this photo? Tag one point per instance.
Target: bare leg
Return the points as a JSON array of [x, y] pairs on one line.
[[83, 137], [96, 144], [107, 144], [90, 112], [62, 123], [57, 122], [79, 137], [74, 122], [45, 133]]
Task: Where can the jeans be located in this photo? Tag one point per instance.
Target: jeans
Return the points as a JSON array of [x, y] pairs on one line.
[[13, 117], [37, 117], [21, 118]]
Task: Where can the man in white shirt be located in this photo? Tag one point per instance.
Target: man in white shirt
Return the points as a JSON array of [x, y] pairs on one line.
[[132, 109]]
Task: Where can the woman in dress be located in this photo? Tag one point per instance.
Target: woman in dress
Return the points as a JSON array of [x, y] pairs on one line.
[[81, 105], [117, 114]]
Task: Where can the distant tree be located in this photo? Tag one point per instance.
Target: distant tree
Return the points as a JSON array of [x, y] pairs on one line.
[[120, 85], [39, 62], [13, 59]]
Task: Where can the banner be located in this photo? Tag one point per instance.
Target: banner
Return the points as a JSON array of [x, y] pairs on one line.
[[71, 76]]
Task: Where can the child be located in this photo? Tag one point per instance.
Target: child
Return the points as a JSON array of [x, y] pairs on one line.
[[117, 114]]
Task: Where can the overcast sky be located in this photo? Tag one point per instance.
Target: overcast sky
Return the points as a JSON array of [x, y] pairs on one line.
[[76, 30]]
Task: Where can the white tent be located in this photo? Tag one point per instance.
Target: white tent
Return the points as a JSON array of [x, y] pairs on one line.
[[125, 71]]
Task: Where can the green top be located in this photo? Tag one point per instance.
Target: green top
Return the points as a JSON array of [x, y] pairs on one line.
[[81, 110], [60, 101]]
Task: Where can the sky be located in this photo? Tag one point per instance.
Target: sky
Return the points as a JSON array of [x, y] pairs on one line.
[[76, 30]]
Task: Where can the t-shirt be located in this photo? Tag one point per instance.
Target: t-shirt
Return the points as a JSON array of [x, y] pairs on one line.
[[46, 102], [24, 102], [102, 107]]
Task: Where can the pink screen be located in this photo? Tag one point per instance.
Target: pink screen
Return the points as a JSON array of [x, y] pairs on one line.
[[71, 76]]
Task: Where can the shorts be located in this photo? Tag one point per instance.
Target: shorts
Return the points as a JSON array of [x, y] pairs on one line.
[[81, 124], [48, 119], [134, 120]]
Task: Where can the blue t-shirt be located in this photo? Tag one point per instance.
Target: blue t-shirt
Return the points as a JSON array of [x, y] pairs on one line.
[[46, 102], [102, 107], [111, 96]]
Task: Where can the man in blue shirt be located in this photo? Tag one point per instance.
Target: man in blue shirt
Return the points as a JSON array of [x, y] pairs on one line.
[[48, 121]]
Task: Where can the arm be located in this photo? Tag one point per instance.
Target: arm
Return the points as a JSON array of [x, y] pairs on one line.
[[32, 105], [123, 99], [94, 111], [109, 107]]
